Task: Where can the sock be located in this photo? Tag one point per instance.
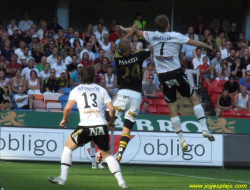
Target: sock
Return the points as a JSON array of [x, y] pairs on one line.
[[66, 162], [115, 169], [124, 142], [199, 112], [176, 122], [92, 155]]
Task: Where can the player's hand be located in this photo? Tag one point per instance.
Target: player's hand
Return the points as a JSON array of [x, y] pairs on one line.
[[63, 123], [111, 125], [134, 27]]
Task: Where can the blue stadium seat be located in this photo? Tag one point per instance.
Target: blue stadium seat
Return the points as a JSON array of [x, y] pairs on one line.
[[96, 55], [66, 90], [63, 98]]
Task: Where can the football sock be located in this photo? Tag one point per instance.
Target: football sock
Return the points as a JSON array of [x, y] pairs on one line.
[[199, 112], [92, 155], [176, 122], [124, 142], [115, 169], [66, 162]]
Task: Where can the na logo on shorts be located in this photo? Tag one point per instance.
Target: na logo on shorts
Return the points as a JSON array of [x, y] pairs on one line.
[[171, 83], [96, 131]]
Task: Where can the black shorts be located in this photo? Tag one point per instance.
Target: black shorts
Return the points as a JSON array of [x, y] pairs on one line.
[[99, 134], [172, 81]]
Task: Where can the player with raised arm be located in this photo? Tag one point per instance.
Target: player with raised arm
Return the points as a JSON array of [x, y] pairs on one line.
[[90, 99], [128, 98], [166, 47]]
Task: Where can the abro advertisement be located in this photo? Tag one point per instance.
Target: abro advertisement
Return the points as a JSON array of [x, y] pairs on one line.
[[144, 147]]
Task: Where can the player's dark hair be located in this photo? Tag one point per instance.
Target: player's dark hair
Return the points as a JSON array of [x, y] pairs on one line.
[[88, 74], [161, 23]]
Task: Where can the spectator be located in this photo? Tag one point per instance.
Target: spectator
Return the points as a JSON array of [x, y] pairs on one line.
[[145, 63], [105, 45], [12, 67], [232, 35], [77, 47], [72, 67], [7, 52], [65, 51], [25, 24], [100, 31], [60, 40], [138, 18], [150, 70], [242, 38], [76, 37], [76, 76], [224, 102], [5, 37], [216, 30], [46, 38], [210, 41], [5, 82], [38, 54], [33, 83], [238, 68], [112, 26], [63, 80], [116, 34], [111, 80], [26, 71], [232, 85], [222, 70], [20, 51], [225, 24], [88, 50], [35, 42], [85, 60], [53, 57], [149, 88], [135, 42], [103, 84], [246, 57], [226, 52], [28, 35], [191, 31], [59, 66], [54, 26], [206, 71], [246, 81], [199, 21], [68, 60], [24, 101], [98, 73], [187, 52], [45, 73], [217, 60], [219, 38], [223, 45], [238, 47], [18, 81], [40, 32], [100, 58], [204, 37], [242, 100], [95, 46], [70, 32], [2, 68], [51, 84], [49, 50], [11, 26], [231, 58], [105, 68], [86, 35], [144, 109], [101, 21], [110, 54], [24, 62], [27, 53], [200, 31]]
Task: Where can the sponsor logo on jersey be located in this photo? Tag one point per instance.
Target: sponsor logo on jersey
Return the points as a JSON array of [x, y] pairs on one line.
[[146, 33], [161, 38], [88, 88], [171, 83], [129, 61]]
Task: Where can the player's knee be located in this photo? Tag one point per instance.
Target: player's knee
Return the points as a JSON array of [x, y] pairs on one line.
[[128, 123]]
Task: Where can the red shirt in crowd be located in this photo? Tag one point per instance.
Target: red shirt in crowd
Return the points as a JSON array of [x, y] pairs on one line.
[[13, 66], [86, 64], [113, 37], [204, 67]]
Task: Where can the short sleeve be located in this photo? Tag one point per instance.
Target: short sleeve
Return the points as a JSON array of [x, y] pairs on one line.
[[181, 39], [106, 96], [72, 95]]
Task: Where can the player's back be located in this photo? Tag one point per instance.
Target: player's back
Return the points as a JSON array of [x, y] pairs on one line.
[[90, 100], [130, 69], [166, 47]]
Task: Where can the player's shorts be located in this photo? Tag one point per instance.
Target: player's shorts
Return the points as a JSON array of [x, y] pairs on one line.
[[99, 134], [172, 81], [128, 102]]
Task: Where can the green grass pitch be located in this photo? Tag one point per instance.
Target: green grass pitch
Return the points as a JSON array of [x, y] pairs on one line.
[[33, 176]]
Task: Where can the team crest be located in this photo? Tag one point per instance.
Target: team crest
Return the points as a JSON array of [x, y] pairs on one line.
[[221, 125]]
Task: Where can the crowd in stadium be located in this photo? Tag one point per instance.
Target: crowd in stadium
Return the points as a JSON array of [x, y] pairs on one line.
[[42, 60]]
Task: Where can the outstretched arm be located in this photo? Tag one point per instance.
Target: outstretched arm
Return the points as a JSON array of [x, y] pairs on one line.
[[137, 32], [200, 45]]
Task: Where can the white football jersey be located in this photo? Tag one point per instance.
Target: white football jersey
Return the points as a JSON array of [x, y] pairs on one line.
[[166, 47], [90, 101]]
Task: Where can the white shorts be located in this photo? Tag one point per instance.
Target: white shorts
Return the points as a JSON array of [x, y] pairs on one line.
[[127, 101]]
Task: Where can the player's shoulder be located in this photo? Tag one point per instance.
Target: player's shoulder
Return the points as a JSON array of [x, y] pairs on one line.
[[118, 54]]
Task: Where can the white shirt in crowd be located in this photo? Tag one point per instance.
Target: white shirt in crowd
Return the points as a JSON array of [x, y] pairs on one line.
[[25, 25], [44, 75], [59, 68], [72, 42], [166, 49], [91, 55], [51, 60], [26, 72], [90, 101], [104, 28], [68, 60], [224, 54], [22, 103], [197, 62], [104, 47], [99, 36], [196, 37], [40, 34], [248, 68], [19, 53]]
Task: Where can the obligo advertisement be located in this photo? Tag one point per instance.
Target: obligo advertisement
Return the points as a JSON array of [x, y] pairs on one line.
[[144, 147]]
